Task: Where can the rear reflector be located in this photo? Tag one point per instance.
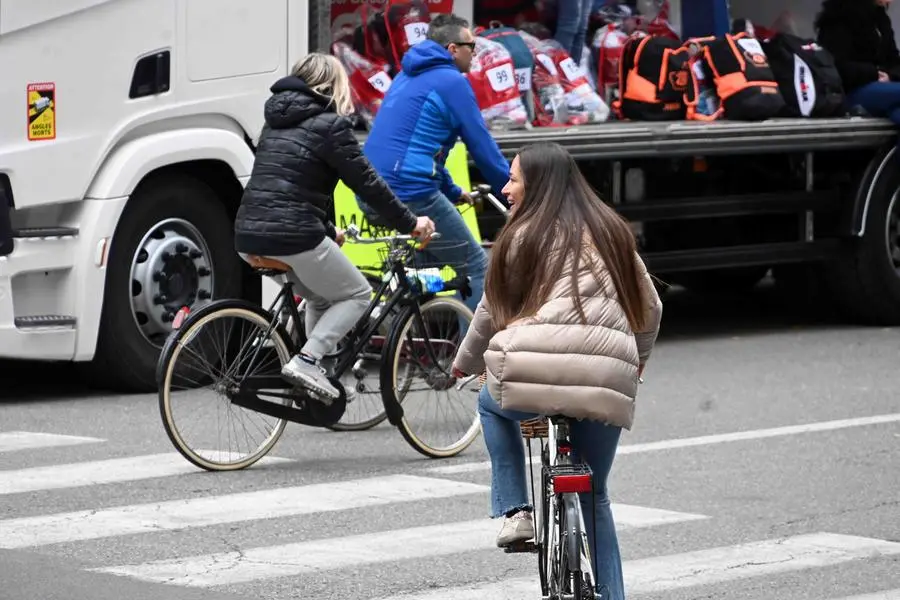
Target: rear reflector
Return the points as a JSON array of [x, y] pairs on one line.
[[567, 484], [180, 316]]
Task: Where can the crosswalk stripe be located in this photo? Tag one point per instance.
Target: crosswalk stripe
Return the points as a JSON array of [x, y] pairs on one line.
[[318, 555], [767, 557], [11, 441], [704, 440], [701, 567], [115, 470], [310, 557], [882, 595], [214, 510]]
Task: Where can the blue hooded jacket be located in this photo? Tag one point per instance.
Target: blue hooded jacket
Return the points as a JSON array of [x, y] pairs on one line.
[[429, 105]]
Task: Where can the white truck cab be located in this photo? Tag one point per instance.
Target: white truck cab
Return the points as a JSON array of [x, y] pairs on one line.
[[126, 140]]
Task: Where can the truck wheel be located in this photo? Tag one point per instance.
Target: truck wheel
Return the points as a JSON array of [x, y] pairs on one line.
[[866, 283], [173, 247]]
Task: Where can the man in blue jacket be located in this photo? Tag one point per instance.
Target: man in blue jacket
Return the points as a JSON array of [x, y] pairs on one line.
[[429, 105]]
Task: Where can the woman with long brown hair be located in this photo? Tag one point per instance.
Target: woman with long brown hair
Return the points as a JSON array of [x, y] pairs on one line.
[[568, 320]]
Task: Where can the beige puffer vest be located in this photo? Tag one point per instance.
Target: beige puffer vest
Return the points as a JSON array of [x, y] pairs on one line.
[[552, 363]]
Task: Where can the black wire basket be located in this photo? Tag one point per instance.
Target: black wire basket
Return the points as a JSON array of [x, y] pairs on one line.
[[441, 264]]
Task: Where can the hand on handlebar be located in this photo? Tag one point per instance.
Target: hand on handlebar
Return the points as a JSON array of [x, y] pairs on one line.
[[424, 229], [466, 198]]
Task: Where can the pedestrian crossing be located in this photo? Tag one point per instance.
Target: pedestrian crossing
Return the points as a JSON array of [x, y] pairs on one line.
[[402, 539]]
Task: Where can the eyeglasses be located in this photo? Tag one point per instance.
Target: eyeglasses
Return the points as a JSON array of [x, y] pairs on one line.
[[471, 45]]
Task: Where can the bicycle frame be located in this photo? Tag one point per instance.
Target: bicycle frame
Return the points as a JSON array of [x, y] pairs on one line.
[[561, 482], [362, 332]]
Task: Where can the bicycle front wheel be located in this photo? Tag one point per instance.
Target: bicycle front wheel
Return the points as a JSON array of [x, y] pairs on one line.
[[438, 420], [200, 373]]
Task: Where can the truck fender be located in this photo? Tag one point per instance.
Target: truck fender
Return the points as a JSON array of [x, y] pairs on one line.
[[120, 174], [128, 164], [879, 167]]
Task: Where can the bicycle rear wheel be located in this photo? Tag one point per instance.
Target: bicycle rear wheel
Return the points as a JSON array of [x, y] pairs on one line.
[[416, 374], [199, 374], [574, 566]]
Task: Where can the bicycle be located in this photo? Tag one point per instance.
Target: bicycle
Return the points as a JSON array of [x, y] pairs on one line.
[[409, 282], [565, 566], [366, 411]]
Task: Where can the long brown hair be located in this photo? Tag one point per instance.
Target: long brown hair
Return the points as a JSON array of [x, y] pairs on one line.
[[557, 216]]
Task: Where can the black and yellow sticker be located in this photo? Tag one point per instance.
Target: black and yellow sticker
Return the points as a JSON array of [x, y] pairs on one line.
[[41, 111]]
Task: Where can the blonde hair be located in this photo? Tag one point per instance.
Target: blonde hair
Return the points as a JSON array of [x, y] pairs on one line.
[[325, 75]]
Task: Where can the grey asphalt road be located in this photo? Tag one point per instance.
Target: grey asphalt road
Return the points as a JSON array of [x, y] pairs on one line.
[[804, 505]]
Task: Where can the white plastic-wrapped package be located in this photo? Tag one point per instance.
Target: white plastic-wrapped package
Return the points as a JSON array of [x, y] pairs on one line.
[[550, 105], [368, 81], [493, 79], [582, 101]]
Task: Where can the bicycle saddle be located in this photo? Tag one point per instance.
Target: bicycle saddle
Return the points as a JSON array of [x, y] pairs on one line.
[[261, 263]]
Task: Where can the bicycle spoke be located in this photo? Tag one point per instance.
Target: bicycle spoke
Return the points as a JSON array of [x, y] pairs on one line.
[[201, 420]]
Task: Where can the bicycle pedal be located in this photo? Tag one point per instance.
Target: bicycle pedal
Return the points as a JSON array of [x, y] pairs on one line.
[[521, 547]]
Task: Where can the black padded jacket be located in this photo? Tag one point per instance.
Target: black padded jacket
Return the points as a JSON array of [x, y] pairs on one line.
[[859, 35], [304, 149]]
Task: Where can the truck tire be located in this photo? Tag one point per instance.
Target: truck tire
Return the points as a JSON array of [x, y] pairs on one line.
[[866, 282], [175, 236]]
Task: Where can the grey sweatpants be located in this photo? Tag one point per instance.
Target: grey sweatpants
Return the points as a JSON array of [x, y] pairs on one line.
[[336, 293]]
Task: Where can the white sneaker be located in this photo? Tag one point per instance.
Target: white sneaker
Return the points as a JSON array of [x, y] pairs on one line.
[[312, 377], [517, 528]]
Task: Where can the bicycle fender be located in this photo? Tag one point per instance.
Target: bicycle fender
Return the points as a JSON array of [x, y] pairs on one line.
[[572, 507], [176, 336]]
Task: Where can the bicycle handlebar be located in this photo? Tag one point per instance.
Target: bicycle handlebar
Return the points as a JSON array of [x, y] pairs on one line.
[[352, 232], [484, 191]]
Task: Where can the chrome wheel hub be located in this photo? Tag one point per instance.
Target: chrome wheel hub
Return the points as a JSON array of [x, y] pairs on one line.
[[171, 269]]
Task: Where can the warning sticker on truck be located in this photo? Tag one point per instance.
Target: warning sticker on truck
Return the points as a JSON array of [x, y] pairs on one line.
[[41, 111]]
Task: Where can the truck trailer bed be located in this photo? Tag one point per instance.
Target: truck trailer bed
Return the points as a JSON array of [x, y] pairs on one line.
[[632, 139]]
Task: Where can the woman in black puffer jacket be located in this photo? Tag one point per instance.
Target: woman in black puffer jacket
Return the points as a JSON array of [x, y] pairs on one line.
[[859, 34], [306, 145]]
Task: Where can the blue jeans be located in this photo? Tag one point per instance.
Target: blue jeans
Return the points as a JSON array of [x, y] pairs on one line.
[[879, 98], [591, 440], [456, 245], [571, 25]]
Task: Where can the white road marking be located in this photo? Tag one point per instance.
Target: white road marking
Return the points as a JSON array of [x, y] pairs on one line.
[[11, 441], [285, 560], [233, 508], [132, 468], [702, 567], [883, 595], [704, 440]]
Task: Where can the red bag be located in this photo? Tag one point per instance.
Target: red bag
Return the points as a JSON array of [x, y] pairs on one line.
[[368, 80], [658, 24], [407, 25], [386, 34], [608, 43], [493, 79]]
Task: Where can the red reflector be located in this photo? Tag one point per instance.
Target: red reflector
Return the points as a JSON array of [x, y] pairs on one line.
[[180, 316], [297, 299], [564, 449], [566, 484]]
